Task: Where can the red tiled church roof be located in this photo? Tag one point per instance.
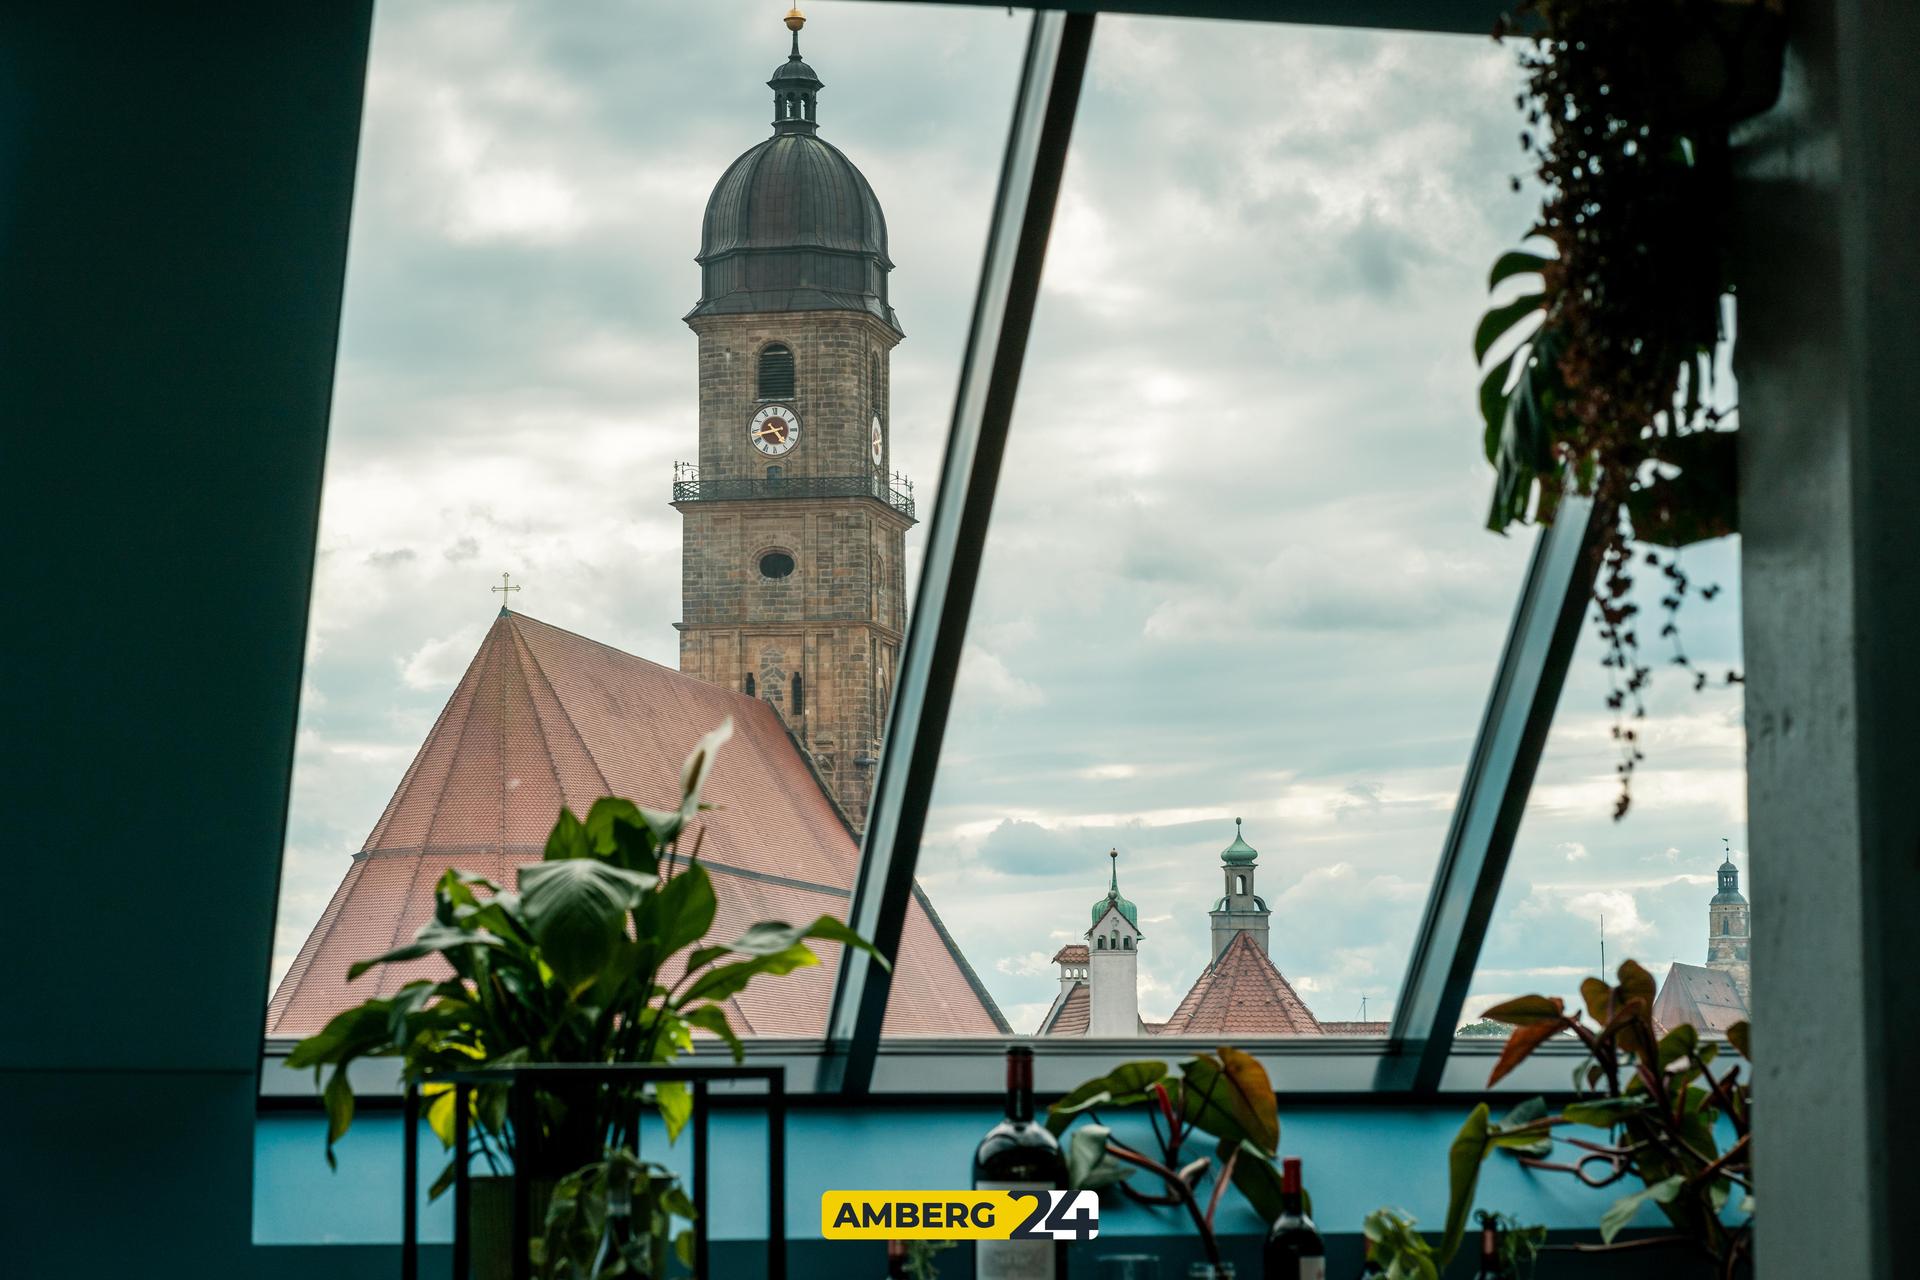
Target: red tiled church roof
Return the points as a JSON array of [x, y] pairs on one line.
[[1075, 954], [1705, 999], [1071, 1016], [1241, 994], [544, 718]]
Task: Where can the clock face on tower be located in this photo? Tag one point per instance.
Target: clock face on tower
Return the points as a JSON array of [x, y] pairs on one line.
[[879, 442], [775, 430]]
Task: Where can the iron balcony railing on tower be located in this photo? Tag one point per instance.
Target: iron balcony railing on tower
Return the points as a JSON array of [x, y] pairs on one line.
[[896, 491]]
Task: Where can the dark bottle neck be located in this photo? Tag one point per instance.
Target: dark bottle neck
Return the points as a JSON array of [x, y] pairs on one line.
[[1292, 1198], [1020, 1085], [1489, 1246]]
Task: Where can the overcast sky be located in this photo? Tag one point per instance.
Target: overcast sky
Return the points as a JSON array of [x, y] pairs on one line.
[[1237, 564]]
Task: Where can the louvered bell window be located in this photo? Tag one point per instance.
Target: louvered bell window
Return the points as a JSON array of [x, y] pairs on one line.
[[776, 372]]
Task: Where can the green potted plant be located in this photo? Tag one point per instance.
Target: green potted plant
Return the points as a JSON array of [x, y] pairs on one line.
[[1397, 1251], [600, 956], [1224, 1096], [1599, 374], [1660, 1106]]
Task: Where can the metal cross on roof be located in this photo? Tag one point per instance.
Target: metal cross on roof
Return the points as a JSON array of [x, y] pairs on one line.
[[506, 585]]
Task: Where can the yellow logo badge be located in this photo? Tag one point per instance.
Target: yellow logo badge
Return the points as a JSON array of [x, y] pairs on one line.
[[959, 1215]]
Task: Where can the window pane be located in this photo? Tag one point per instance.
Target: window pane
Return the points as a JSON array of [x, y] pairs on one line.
[[1667, 884], [1237, 568], [622, 308]]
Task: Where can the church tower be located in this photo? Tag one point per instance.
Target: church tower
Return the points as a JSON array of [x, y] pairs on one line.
[[1239, 909], [1730, 930], [1113, 962], [793, 528]]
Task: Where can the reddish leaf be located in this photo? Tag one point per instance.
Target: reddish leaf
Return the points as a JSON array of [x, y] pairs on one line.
[[1528, 1010], [1521, 1043]]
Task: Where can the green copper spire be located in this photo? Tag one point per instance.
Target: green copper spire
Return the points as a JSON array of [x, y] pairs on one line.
[[1113, 897], [1239, 853]]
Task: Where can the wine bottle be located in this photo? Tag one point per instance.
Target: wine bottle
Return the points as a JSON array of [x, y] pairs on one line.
[[1294, 1251], [1019, 1155], [897, 1260], [1369, 1269], [1492, 1265]]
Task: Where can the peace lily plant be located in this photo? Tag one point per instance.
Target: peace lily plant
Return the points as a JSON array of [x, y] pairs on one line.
[[599, 957]]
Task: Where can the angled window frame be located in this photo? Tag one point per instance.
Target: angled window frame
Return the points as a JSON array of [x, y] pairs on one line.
[[1413, 1059]]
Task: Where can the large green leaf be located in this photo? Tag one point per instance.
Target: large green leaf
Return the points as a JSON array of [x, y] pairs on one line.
[[1229, 1097], [1464, 1158], [1089, 1166], [1123, 1086], [338, 1098], [576, 909], [1523, 1117], [1622, 1211], [675, 1102], [680, 914], [1500, 319], [1604, 1113], [770, 936], [1254, 1177], [568, 839], [713, 1018], [1493, 400], [619, 832], [725, 981], [431, 940], [1516, 263]]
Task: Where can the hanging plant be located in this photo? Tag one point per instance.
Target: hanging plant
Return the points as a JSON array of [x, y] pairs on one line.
[[1608, 390]]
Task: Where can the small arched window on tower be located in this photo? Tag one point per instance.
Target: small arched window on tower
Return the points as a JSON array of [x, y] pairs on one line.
[[776, 372], [748, 685], [1100, 944], [799, 695], [1239, 884], [1126, 943]]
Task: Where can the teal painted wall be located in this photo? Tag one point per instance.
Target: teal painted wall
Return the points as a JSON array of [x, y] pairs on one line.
[[1357, 1159]]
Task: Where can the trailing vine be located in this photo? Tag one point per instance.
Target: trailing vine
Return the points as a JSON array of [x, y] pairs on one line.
[[1611, 392]]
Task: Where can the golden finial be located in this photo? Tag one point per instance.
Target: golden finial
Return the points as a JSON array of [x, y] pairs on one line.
[[795, 19]]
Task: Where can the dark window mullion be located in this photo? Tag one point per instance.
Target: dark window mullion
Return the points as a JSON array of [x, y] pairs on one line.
[[990, 373]]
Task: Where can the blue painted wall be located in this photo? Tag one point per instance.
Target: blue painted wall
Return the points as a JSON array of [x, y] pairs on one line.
[[1357, 1159]]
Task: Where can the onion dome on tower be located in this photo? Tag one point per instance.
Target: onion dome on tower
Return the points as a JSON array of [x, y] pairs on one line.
[[1113, 898], [792, 225], [1239, 853]]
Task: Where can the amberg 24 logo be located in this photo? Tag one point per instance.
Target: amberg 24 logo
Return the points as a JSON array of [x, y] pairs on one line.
[[1011, 1214]]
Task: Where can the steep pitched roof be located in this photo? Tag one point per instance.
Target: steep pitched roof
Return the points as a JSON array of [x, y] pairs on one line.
[[1071, 1014], [1241, 994], [544, 718], [1703, 998]]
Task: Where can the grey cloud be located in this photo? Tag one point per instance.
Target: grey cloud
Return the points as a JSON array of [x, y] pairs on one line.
[[388, 559]]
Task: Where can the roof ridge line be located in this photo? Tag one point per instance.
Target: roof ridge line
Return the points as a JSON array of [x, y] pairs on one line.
[[631, 657], [413, 881], [559, 785]]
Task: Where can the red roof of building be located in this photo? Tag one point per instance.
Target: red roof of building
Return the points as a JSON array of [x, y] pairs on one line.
[[1241, 994], [1075, 954], [1071, 1016], [545, 718], [1705, 999]]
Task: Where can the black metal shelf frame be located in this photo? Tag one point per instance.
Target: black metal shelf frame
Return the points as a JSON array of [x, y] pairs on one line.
[[522, 1083]]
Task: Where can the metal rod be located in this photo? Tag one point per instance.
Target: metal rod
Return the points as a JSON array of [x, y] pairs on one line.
[[1030, 176], [410, 1185], [526, 1135], [462, 1207], [777, 1176], [700, 1179], [1493, 794]]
